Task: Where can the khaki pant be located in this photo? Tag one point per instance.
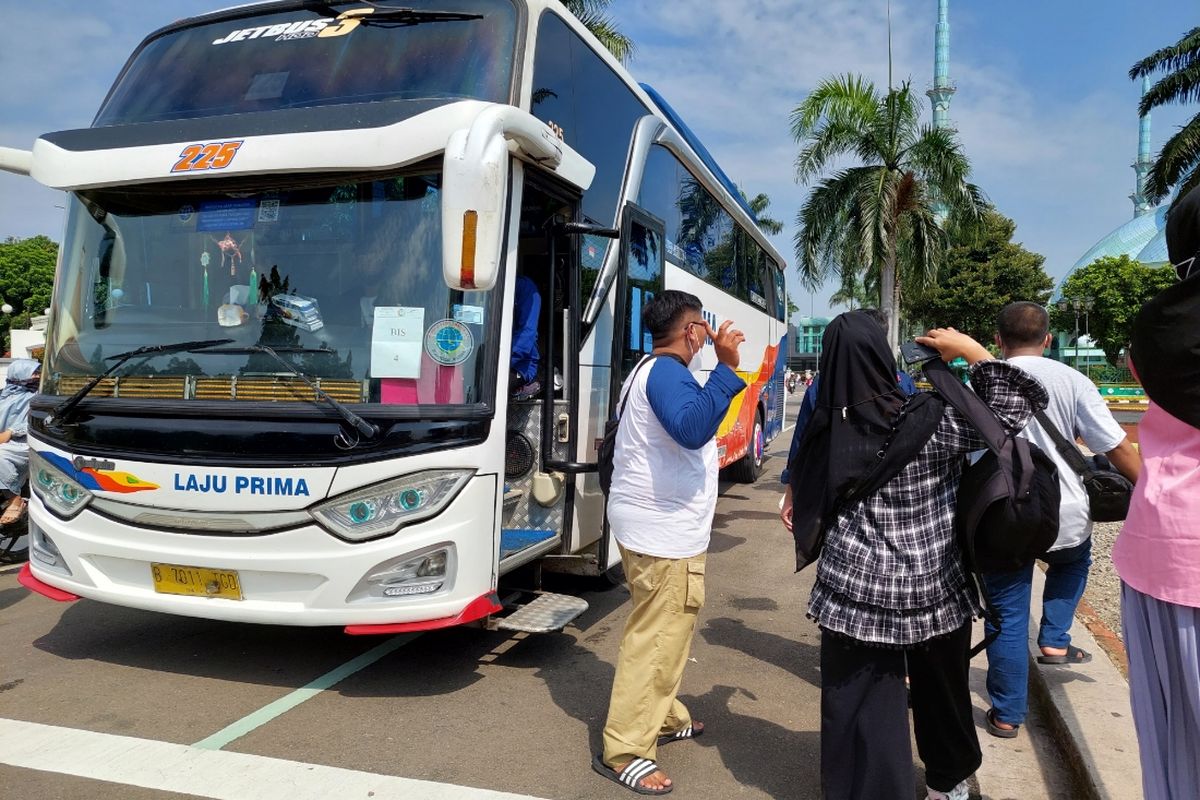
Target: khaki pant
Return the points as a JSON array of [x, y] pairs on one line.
[[667, 594]]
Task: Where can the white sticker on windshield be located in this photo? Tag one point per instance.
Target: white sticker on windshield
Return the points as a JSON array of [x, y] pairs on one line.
[[396, 340], [468, 315]]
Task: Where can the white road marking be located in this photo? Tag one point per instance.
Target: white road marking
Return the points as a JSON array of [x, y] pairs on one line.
[[289, 701], [216, 774]]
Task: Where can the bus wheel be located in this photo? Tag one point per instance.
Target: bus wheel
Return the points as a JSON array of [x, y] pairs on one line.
[[750, 466]]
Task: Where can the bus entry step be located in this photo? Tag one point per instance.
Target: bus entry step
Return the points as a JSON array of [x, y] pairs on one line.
[[547, 613]]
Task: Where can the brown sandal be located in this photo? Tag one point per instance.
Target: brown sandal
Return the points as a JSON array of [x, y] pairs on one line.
[[13, 511]]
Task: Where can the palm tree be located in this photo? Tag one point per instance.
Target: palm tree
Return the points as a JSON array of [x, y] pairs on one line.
[[854, 292], [593, 14], [880, 218], [1179, 160]]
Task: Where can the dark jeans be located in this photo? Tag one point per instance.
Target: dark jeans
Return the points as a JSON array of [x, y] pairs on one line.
[[1011, 594], [865, 748]]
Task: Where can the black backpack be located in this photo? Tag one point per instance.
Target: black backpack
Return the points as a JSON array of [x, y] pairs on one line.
[[1008, 500]]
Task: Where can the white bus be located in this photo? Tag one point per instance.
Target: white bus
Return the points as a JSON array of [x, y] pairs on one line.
[[276, 373]]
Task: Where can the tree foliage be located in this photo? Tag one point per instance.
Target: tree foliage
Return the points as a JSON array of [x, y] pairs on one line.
[[1117, 287], [26, 279], [855, 293], [984, 270], [881, 217], [594, 15], [1179, 160]]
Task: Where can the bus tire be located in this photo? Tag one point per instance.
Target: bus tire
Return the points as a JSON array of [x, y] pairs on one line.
[[750, 466]]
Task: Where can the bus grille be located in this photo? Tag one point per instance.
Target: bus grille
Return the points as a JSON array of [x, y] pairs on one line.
[[261, 388]]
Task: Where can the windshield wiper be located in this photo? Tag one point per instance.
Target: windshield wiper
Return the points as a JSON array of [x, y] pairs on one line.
[[368, 429], [402, 16], [62, 409]]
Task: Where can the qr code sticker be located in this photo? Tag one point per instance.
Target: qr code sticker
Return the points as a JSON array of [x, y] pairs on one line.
[[268, 211]]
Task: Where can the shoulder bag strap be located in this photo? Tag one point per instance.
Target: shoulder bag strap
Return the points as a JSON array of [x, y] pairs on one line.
[[1066, 449]]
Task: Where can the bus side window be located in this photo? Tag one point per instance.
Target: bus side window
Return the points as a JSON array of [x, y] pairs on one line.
[[575, 89]]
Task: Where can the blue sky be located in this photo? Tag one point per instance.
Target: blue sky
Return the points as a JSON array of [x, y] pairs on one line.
[[1044, 107]]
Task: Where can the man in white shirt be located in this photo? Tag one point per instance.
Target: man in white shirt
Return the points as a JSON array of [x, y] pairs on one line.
[[660, 508], [1077, 411]]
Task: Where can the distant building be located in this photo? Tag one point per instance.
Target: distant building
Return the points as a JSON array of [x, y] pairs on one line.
[[805, 342]]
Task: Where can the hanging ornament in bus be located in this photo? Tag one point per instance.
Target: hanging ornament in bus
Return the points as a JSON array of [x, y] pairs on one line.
[[204, 259], [253, 282], [231, 250]]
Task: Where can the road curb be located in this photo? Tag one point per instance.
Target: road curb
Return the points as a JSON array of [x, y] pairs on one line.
[[1087, 707]]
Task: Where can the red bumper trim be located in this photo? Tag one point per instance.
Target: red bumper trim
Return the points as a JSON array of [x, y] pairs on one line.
[[482, 606], [46, 590]]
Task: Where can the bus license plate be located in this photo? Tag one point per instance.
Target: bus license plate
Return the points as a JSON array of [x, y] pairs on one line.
[[196, 581]]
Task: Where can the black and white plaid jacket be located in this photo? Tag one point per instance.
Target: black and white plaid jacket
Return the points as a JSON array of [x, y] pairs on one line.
[[890, 572]]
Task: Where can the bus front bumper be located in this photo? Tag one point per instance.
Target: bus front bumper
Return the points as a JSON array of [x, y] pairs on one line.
[[302, 576]]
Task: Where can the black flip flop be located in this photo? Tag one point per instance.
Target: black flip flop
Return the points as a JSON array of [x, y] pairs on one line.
[[1074, 655], [631, 776], [690, 732], [996, 730]]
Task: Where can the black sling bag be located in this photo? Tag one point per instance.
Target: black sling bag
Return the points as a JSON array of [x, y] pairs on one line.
[[1108, 491]]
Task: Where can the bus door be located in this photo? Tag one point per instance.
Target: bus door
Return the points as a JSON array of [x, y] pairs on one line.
[[543, 400], [639, 280]]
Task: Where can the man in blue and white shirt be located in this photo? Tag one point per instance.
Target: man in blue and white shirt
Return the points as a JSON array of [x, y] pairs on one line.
[[660, 509]]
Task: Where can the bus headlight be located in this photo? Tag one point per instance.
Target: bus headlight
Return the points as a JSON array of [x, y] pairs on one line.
[[57, 491], [383, 509]]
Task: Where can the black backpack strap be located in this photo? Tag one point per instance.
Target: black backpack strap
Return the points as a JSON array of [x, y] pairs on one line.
[[984, 420], [969, 404], [1066, 449], [632, 375]]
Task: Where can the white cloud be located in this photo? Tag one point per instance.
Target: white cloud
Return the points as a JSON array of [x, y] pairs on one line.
[[58, 59]]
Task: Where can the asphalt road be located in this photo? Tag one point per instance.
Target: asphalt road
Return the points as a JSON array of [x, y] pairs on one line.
[[128, 691]]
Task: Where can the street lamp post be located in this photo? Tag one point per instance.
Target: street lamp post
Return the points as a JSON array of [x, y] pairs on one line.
[[1077, 304]]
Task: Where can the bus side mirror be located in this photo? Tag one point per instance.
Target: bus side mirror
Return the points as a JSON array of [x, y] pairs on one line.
[[475, 188], [474, 197], [18, 162]]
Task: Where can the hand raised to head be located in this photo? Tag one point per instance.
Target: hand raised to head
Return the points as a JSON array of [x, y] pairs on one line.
[[726, 341], [952, 344]]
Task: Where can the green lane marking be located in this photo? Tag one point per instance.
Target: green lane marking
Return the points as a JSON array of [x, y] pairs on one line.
[[289, 701]]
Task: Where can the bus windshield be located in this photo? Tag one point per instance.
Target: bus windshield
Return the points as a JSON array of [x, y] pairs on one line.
[[315, 56], [344, 281]]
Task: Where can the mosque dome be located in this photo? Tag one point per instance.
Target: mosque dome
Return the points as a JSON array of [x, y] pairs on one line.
[[1141, 238]]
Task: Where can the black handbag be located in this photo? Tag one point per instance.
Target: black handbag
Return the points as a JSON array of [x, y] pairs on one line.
[[1109, 492]]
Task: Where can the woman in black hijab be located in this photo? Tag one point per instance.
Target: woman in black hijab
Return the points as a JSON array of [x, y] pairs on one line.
[[873, 485]]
